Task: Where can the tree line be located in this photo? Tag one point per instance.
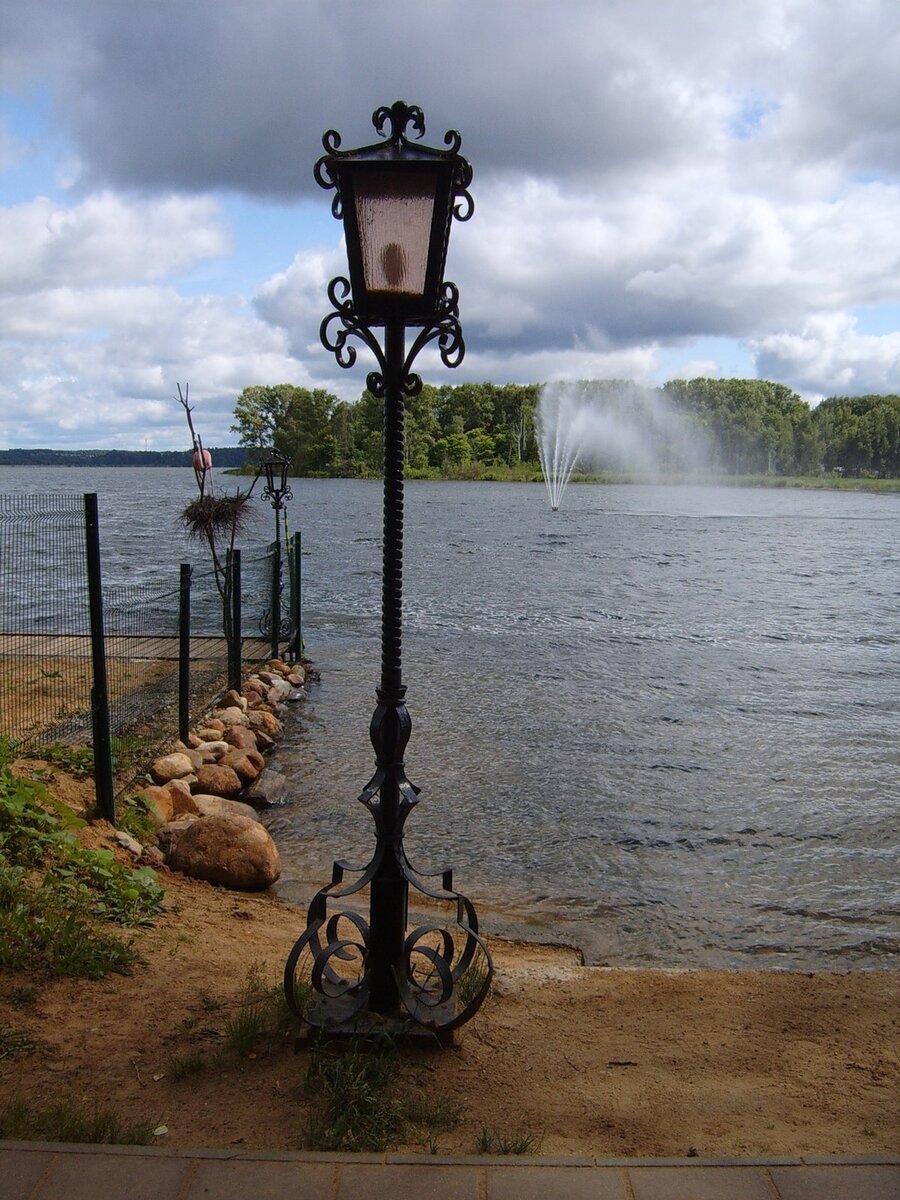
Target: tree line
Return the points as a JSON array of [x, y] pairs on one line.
[[478, 430], [222, 456]]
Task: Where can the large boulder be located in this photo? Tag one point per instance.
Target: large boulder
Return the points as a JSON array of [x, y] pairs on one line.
[[214, 779], [216, 806], [234, 852]]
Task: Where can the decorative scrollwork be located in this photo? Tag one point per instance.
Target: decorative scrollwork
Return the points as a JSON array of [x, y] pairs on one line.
[[343, 323], [446, 330], [443, 973], [399, 116], [277, 496]]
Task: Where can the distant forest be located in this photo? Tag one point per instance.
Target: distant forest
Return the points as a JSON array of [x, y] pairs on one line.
[[222, 456], [486, 430]]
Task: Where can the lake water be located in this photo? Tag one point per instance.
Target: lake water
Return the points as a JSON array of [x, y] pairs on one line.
[[660, 723]]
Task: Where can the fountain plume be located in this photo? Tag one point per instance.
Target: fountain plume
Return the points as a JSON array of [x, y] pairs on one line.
[[613, 425]]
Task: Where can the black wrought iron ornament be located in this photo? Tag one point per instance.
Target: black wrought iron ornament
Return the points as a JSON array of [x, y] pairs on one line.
[[344, 967]]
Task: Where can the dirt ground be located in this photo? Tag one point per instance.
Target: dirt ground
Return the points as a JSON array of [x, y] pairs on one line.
[[586, 1060]]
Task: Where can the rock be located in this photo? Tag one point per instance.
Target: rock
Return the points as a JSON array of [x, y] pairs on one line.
[[127, 842], [232, 716], [171, 766], [217, 780], [179, 786], [254, 700], [153, 857], [266, 722], [184, 805], [277, 665], [193, 740], [234, 699], [160, 804], [208, 734], [263, 740], [240, 737], [297, 677], [235, 852], [216, 806], [218, 747], [243, 765], [276, 697], [267, 791], [167, 837]]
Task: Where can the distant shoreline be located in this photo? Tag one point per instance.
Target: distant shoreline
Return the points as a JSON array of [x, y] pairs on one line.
[[233, 460]]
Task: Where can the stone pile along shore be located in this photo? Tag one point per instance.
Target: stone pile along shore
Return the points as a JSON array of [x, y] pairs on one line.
[[205, 793]]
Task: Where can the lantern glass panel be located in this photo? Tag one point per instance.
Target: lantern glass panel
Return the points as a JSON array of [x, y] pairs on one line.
[[394, 212]]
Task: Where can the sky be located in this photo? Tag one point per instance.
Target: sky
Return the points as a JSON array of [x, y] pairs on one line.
[[663, 188]]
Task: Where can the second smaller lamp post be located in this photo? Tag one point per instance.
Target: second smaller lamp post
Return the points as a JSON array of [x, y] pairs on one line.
[[277, 491]]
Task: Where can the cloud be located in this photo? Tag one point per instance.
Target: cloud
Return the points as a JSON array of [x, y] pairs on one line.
[[830, 356], [648, 177], [105, 239]]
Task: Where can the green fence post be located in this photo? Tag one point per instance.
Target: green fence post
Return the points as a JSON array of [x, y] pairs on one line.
[[184, 652], [297, 600], [235, 644], [276, 598], [103, 769]]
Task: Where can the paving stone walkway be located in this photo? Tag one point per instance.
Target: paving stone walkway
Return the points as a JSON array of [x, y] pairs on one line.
[[48, 1171]]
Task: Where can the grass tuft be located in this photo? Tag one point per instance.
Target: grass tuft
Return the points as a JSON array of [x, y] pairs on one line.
[[498, 1142], [65, 1121]]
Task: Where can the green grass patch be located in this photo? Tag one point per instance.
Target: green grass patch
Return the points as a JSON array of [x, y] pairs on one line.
[[66, 1121], [60, 902], [355, 1104]]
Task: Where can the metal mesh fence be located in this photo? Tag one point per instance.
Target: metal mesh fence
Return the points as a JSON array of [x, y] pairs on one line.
[[141, 640], [45, 649], [46, 667]]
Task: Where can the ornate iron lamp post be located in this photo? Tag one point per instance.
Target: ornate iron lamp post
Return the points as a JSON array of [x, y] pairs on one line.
[[277, 491], [396, 200]]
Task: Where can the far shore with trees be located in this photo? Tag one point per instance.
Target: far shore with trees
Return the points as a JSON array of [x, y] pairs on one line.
[[753, 429]]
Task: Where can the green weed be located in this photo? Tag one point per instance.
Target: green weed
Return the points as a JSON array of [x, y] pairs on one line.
[[354, 1104], [262, 1012], [497, 1142], [472, 982], [134, 817], [56, 897], [14, 1042], [353, 1108], [76, 760], [184, 1065], [65, 1121]]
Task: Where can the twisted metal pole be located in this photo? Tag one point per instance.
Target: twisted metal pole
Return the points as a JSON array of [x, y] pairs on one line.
[[390, 727]]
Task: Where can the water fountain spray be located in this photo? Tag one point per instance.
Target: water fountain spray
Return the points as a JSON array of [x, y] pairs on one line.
[[557, 422]]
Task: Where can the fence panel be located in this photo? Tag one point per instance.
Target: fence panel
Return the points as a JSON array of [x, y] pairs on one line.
[[45, 646]]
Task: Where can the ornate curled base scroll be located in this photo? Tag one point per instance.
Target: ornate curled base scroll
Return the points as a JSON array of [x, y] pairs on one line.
[[443, 973]]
